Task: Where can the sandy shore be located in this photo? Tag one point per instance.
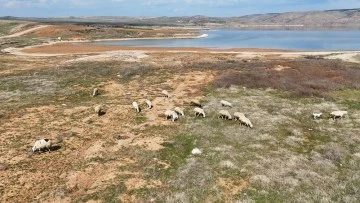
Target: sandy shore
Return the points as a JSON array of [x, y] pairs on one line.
[[58, 48]]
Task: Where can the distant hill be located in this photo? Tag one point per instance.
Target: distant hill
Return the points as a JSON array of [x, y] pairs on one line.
[[329, 19], [346, 18]]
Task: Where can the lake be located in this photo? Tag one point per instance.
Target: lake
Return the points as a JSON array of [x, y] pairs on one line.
[[290, 40]]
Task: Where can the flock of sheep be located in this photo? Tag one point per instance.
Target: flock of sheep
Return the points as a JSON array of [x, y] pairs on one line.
[[199, 112], [174, 115], [333, 114]]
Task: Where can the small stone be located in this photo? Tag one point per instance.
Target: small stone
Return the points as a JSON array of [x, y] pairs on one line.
[[4, 167], [196, 151], [88, 120]]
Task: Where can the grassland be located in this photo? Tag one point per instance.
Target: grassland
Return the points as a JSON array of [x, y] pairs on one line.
[[123, 156]]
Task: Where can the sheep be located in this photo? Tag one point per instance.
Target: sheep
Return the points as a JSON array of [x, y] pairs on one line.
[[95, 92], [243, 120], [317, 115], [166, 93], [196, 103], [171, 114], [179, 111], [199, 111], [225, 103], [224, 114], [136, 107], [238, 115], [174, 116], [246, 122], [149, 104], [338, 114], [41, 144], [99, 110]]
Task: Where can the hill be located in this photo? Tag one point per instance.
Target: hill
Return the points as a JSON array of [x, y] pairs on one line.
[[329, 19]]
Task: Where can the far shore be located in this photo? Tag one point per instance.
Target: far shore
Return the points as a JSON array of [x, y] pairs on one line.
[[71, 47]]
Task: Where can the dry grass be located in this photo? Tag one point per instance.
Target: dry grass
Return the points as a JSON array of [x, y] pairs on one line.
[[129, 157], [302, 78]]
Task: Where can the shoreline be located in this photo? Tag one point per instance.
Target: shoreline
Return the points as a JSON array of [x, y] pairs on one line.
[[80, 47], [151, 38]]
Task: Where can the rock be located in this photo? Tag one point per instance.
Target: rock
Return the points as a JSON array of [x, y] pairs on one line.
[[67, 134], [88, 120], [4, 167], [30, 153], [196, 151]]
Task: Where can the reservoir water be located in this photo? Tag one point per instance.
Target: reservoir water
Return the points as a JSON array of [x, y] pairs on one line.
[[291, 40]]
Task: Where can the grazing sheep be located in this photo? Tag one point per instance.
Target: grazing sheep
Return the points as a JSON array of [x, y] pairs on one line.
[[41, 144], [166, 93], [199, 111], [171, 114], [136, 106], [99, 110], [338, 114], [95, 92], [317, 115], [196, 103], [224, 114], [174, 116], [149, 104], [225, 103], [246, 122], [243, 120], [238, 115], [179, 111]]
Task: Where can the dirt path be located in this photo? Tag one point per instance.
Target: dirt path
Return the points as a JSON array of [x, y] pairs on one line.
[[25, 31]]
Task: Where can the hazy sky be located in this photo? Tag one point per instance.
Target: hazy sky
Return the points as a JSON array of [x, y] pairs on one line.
[[57, 8]]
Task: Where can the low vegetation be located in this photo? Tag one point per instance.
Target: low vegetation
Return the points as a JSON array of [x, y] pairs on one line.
[[299, 78], [140, 157]]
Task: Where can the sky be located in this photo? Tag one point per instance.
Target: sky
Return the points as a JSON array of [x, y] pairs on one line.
[[154, 8]]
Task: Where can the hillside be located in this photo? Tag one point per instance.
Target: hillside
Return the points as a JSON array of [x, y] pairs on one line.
[[324, 19], [329, 19]]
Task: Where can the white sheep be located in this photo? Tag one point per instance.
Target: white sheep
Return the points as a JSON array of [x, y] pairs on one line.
[[171, 114], [317, 115], [243, 120], [41, 144], [246, 122], [166, 93], [99, 110], [199, 111], [95, 92], [338, 114], [238, 115], [174, 116], [149, 104], [136, 106], [179, 111], [196, 103], [224, 114], [225, 103]]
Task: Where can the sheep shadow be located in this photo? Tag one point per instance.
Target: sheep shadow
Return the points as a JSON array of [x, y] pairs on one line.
[[55, 148], [52, 149], [102, 113]]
